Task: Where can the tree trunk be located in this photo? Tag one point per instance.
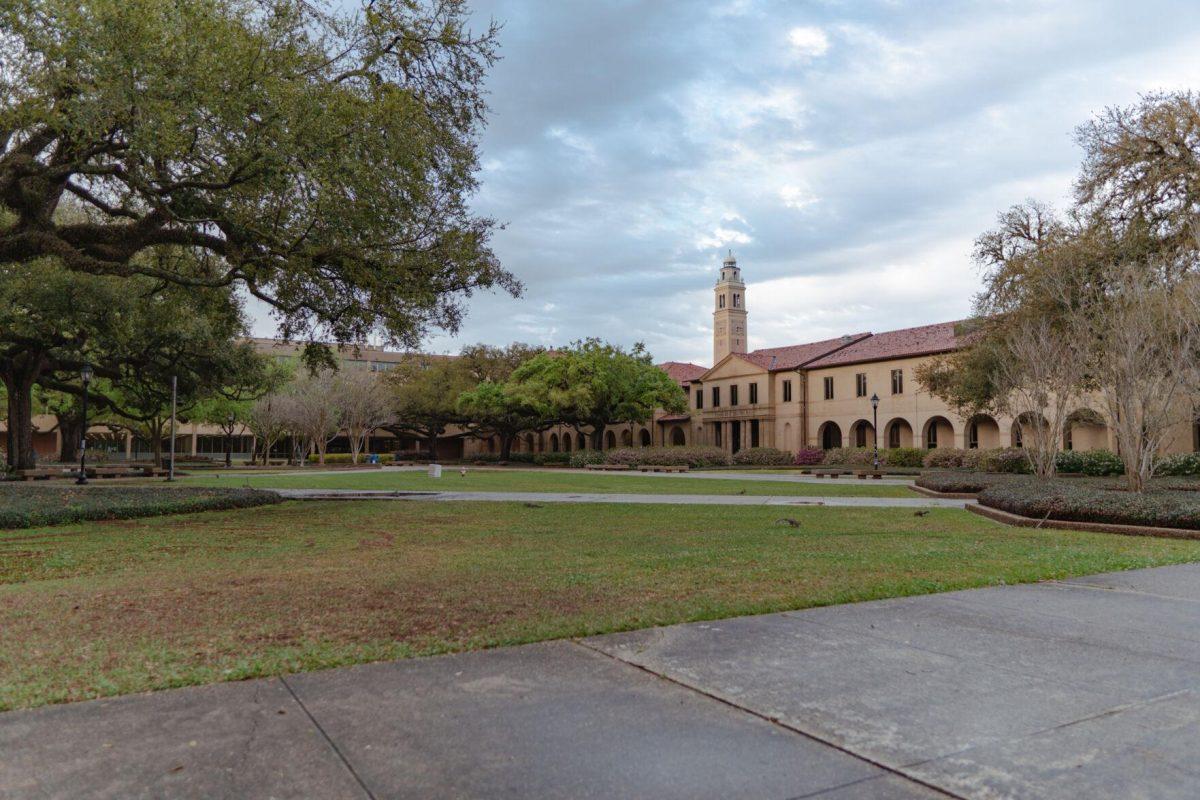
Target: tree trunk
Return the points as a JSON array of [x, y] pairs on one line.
[[155, 428], [431, 442], [19, 385], [70, 428]]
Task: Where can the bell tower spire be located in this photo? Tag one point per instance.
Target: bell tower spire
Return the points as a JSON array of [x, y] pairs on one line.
[[729, 312]]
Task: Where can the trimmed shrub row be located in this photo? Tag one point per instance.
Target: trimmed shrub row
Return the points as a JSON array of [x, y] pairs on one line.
[[1084, 502], [865, 456], [26, 506], [763, 457], [692, 456], [344, 458]]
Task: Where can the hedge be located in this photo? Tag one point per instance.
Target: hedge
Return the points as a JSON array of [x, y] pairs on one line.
[[1180, 465], [344, 458], [581, 458], [763, 457], [1088, 502], [809, 456], [23, 505], [692, 456], [865, 456]]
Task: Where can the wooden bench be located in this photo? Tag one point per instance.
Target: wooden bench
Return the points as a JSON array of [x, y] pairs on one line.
[[607, 467], [869, 473], [663, 468], [42, 474], [829, 473]]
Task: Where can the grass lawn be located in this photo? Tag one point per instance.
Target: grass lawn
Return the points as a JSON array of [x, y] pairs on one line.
[[107, 608], [507, 480]]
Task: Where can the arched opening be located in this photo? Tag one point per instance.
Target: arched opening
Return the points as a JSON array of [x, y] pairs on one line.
[[1196, 436], [610, 440], [529, 443], [626, 438], [1085, 430], [644, 438], [983, 433], [938, 432], [491, 445], [554, 442], [862, 434], [898, 433], [789, 442], [566, 442], [1025, 428], [830, 435], [678, 437]]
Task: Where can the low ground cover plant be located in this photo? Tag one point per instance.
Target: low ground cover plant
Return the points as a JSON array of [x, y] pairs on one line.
[[1091, 502], [24, 505]]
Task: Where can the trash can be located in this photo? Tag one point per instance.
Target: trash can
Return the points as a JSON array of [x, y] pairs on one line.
[[435, 470]]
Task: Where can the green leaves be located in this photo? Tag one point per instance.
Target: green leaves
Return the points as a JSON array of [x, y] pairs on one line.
[[322, 157]]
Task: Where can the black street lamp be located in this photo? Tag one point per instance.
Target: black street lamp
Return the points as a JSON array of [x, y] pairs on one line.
[[86, 374], [229, 442], [875, 426]]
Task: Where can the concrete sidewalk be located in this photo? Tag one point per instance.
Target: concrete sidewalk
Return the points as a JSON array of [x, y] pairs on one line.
[[669, 499], [1084, 688]]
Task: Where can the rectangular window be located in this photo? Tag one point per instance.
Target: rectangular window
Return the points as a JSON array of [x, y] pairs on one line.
[[716, 396], [733, 398], [894, 436], [737, 300], [699, 398], [897, 381], [717, 433], [787, 391], [829, 388], [753, 393], [754, 433], [720, 301], [860, 384]]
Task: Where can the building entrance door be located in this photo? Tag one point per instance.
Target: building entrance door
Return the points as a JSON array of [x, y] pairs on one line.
[[735, 435]]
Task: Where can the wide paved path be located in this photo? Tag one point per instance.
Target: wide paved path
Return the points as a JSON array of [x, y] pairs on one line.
[[1086, 688], [616, 497]]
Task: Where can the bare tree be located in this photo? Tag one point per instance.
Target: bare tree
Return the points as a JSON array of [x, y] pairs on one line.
[[365, 405], [1146, 328], [1043, 367], [268, 421], [313, 411]]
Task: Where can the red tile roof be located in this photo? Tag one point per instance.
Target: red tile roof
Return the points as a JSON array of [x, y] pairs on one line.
[[797, 355], [907, 343], [682, 371]]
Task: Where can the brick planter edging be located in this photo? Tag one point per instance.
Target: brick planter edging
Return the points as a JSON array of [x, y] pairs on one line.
[[943, 495], [1019, 521]]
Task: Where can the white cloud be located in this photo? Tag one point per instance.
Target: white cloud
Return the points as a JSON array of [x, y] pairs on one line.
[[722, 237], [797, 197], [808, 41]]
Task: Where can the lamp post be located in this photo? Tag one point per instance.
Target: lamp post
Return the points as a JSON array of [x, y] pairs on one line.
[[875, 426], [86, 375], [229, 442]]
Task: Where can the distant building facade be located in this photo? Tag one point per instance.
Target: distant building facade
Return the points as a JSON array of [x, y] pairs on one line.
[[815, 394]]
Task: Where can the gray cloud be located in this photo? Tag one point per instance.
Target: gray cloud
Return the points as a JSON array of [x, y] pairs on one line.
[[849, 165]]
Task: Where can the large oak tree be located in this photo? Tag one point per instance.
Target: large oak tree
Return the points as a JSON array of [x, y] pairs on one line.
[[320, 158]]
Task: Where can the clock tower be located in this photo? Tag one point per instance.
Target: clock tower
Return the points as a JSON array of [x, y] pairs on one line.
[[729, 313]]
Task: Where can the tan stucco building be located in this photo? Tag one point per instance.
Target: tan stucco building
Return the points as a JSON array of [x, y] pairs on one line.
[[818, 394]]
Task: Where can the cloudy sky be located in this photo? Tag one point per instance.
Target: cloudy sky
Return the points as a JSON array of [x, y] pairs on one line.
[[848, 152]]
